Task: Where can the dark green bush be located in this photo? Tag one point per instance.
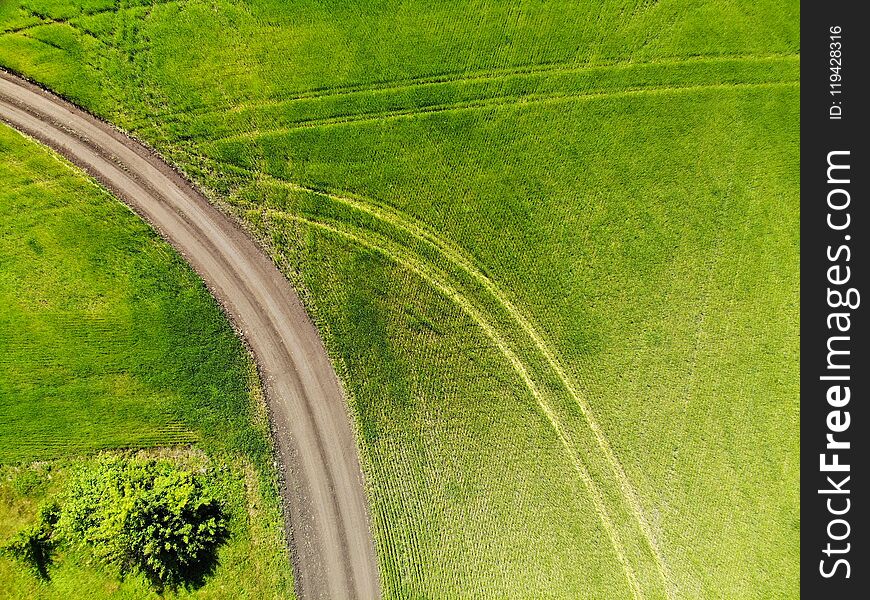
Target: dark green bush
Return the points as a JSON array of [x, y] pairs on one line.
[[147, 516]]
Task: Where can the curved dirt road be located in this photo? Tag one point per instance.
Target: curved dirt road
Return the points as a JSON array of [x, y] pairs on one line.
[[323, 491]]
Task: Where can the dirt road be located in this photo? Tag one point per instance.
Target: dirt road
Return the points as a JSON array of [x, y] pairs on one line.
[[325, 502]]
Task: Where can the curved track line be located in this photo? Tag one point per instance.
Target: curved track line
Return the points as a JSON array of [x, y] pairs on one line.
[[455, 256], [326, 512], [493, 102], [399, 85], [394, 253], [504, 73]]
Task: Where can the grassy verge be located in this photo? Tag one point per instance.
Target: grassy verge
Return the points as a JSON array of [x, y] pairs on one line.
[[108, 338]]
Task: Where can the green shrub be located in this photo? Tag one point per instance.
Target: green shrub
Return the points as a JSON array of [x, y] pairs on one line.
[[147, 516], [34, 545], [29, 482]]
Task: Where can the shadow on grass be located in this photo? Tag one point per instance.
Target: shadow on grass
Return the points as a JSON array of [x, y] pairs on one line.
[[34, 545], [191, 575]]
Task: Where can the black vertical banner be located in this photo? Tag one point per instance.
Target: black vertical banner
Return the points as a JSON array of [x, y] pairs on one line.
[[835, 375]]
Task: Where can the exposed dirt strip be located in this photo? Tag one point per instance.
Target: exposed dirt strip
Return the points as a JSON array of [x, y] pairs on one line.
[[325, 503]]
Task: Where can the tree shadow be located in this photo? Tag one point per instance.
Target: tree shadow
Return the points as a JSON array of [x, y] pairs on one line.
[[34, 545], [193, 572], [33, 549]]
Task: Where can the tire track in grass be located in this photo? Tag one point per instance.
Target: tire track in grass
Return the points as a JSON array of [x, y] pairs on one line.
[[395, 253], [502, 73], [467, 77], [456, 256], [488, 103]]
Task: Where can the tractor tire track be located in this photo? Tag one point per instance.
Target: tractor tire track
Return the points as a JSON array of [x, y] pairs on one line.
[[467, 77], [454, 255], [488, 103], [457, 257], [429, 274]]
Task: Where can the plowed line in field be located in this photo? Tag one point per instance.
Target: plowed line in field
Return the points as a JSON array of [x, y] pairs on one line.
[[492, 103], [394, 253]]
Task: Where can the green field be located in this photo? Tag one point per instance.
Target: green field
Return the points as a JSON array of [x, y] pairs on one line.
[[110, 341], [552, 248]]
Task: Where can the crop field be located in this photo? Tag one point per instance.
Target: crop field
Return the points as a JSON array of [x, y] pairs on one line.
[[110, 341], [552, 249]]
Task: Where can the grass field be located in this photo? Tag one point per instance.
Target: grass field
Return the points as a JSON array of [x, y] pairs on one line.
[[553, 251], [110, 341]]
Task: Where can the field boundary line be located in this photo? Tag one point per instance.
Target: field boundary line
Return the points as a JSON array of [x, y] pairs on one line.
[[452, 294]]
